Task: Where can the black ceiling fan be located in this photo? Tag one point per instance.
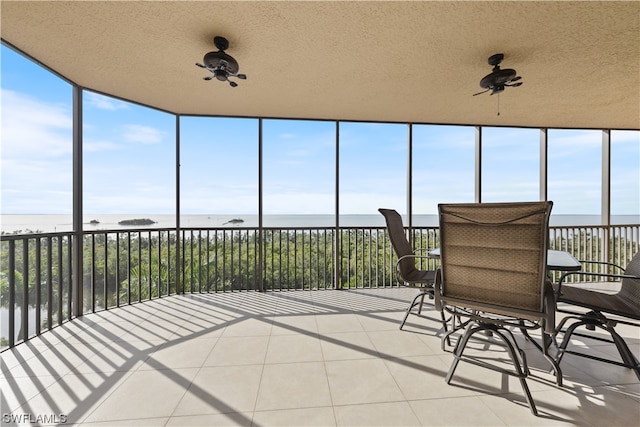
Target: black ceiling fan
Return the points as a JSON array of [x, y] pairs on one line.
[[221, 65], [499, 79]]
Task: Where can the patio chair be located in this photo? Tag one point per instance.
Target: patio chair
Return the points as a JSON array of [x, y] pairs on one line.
[[620, 306], [493, 275], [406, 270]]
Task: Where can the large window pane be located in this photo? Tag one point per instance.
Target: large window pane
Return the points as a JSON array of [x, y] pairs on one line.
[[443, 169], [625, 177], [575, 176], [37, 146], [510, 165], [299, 173], [373, 171], [218, 172], [128, 163]]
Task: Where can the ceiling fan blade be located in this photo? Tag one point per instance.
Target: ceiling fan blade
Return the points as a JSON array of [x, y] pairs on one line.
[[514, 85], [200, 65], [515, 79], [207, 78], [481, 92]]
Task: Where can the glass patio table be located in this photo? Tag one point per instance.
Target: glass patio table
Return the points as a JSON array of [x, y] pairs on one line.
[[556, 260]]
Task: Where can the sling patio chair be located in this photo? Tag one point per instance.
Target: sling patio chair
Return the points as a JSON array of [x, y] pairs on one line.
[[621, 307], [493, 275], [406, 270]]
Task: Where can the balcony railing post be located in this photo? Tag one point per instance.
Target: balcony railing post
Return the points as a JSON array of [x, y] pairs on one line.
[[38, 279], [24, 321], [77, 241], [605, 245], [261, 261], [12, 292]]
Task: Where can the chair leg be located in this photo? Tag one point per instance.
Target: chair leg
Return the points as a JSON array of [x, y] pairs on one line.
[[457, 352], [423, 293], [544, 348], [625, 353], [597, 320], [446, 334], [515, 353], [522, 371], [446, 337], [562, 348], [415, 302], [546, 343]]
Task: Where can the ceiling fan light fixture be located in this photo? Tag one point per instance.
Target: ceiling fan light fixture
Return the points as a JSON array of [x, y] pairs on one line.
[[220, 74]]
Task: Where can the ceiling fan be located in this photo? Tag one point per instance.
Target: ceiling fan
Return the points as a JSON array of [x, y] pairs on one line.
[[498, 79], [221, 65]]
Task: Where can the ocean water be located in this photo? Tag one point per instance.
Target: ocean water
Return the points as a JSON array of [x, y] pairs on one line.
[[59, 223]]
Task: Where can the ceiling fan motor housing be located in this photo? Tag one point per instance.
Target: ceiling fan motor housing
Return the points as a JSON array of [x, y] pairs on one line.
[[497, 77], [220, 61]]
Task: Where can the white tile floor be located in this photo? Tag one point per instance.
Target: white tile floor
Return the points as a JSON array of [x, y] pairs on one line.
[[325, 358]]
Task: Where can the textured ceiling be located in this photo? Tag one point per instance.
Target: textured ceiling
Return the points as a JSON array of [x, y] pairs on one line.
[[354, 60]]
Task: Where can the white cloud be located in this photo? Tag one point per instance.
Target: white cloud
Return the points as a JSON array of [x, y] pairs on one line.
[[37, 144], [565, 143], [142, 134], [102, 102], [625, 137], [36, 164], [31, 127], [89, 145]]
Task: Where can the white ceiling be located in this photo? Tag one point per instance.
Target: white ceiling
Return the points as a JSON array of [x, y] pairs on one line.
[[400, 61]]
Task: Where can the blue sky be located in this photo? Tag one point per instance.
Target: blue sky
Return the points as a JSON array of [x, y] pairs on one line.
[[129, 160]]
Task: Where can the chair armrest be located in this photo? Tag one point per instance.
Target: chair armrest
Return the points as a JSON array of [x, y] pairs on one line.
[[413, 256], [410, 256], [589, 274], [398, 275], [610, 264], [418, 252]]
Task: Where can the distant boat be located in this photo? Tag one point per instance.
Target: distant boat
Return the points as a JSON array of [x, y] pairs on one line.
[[94, 222], [137, 221], [234, 221]]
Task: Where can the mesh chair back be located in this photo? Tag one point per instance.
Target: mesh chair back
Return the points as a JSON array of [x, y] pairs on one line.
[[495, 253], [630, 288], [399, 241]]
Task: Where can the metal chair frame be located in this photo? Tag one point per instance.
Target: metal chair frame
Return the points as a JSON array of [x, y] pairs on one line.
[[422, 279], [595, 318], [484, 315]]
